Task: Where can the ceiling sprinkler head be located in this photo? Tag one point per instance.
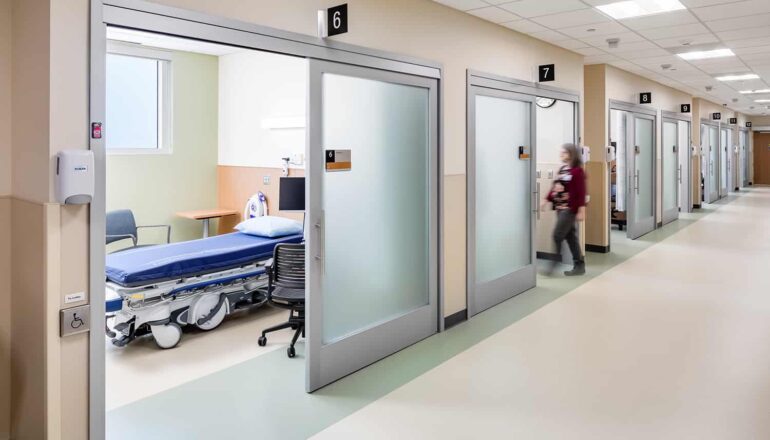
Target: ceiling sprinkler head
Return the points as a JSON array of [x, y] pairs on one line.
[[665, 66], [751, 108], [735, 99], [613, 42], [709, 88]]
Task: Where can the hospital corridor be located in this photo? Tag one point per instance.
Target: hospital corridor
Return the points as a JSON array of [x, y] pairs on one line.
[[371, 219]]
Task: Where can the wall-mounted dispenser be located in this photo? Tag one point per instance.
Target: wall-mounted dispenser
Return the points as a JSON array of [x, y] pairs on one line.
[[75, 177]]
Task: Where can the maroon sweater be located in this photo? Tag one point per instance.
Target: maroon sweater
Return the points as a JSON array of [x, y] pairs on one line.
[[574, 187]]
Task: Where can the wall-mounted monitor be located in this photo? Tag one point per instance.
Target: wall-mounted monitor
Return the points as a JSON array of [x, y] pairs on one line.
[[291, 194]]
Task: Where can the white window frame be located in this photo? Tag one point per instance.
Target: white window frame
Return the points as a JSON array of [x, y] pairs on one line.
[[165, 97]]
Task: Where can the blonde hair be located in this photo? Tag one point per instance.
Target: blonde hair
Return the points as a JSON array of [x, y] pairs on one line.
[[575, 157]]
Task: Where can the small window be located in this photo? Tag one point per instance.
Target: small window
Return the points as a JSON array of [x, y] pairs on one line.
[[138, 100]]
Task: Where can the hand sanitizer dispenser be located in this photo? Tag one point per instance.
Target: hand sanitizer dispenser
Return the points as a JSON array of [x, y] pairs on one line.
[[75, 177]]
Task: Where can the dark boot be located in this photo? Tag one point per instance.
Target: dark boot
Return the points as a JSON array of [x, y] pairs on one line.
[[579, 269]]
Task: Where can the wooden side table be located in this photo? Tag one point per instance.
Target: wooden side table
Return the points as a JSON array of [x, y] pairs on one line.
[[205, 215]]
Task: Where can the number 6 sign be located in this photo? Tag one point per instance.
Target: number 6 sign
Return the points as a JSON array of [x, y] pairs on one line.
[[337, 20]]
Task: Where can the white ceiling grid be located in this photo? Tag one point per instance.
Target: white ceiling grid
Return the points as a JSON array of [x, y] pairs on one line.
[[648, 42]]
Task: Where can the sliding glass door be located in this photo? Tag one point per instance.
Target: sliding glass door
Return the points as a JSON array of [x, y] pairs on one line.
[[671, 170], [502, 202], [724, 162], [685, 165], [710, 146], [372, 196], [641, 178], [744, 162]]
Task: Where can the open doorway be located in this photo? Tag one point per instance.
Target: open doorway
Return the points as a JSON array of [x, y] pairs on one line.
[[632, 132], [203, 134]]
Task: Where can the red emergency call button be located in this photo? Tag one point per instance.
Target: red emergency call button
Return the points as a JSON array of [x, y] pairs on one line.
[[96, 130]]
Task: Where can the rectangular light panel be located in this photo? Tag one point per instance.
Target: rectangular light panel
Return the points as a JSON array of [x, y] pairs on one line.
[[639, 8]]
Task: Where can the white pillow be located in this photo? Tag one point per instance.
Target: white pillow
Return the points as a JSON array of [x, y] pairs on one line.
[[269, 226]]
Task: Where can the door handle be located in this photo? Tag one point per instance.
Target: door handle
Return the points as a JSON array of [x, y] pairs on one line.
[[679, 173], [537, 200], [636, 183], [319, 227]]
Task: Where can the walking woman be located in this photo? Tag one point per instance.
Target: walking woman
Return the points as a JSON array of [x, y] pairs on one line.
[[568, 196]]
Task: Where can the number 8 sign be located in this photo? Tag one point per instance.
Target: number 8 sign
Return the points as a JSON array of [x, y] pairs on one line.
[[645, 98]]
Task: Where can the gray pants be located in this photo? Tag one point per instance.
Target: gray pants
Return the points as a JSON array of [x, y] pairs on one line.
[[565, 230]]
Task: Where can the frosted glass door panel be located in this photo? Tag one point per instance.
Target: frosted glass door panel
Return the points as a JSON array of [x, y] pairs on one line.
[[670, 170], [644, 134], [685, 163], [376, 215], [503, 194], [723, 148], [714, 162]]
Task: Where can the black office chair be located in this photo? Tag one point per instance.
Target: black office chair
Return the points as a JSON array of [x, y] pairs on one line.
[[121, 225], [286, 289]]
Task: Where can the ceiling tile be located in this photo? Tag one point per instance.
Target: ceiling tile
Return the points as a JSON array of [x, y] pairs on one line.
[[751, 42], [764, 56], [590, 51], [525, 26], [570, 44], [691, 40], [463, 5], [674, 31], [731, 10], [740, 51], [744, 34], [674, 18], [631, 47], [494, 14], [497, 2], [573, 18], [550, 36], [594, 30], [536, 8], [655, 52], [700, 3], [739, 23], [601, 40]]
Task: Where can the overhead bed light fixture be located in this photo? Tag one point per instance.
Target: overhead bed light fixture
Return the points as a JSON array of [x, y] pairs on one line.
[[741, 77], [761, 100], [639, 8], [706, 54], [749, 92]]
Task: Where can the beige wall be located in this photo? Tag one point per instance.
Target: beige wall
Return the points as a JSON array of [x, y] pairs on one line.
[[54, 116], [602, 84], [157, 186]]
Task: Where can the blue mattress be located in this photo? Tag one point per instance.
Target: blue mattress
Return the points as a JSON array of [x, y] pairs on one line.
[[153, 264]]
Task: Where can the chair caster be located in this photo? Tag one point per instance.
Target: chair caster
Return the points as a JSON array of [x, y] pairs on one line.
[[290, 351], [262, 341]]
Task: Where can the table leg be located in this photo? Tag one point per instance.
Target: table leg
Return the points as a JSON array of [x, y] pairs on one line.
[[205, 228]]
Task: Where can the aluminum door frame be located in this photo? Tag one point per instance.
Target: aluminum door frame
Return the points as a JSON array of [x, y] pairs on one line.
[[743, 134], [710, 166], [685, 160], [482, 297], [724, 191], [329, 362], [638, 228], [667, 216]]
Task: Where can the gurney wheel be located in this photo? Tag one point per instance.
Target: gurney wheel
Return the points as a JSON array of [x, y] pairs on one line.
[[290, 351], [262, 341], [167, 336]]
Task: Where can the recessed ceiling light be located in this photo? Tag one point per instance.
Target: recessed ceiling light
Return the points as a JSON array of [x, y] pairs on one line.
[[706, 54], [762, 100], [742, 77], [639, 8], [748, 92]]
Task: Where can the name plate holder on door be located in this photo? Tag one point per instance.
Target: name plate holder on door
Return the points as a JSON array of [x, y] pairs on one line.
[[338, 160], [523, 153]]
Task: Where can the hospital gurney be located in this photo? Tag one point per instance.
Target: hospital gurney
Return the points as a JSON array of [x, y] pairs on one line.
[[157, 290]]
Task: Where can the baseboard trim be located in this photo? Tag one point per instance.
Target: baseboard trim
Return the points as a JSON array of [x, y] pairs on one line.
[[660, 224], [455, 318], [597, 248], [548, 256]]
